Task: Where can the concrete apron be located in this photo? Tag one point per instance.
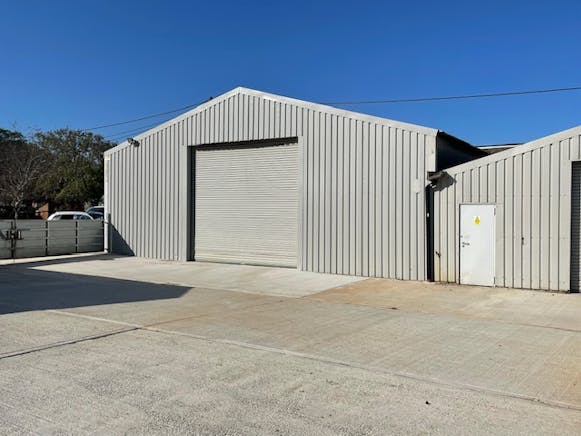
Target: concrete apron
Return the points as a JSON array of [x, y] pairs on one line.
[[470, 338], [286, 282]]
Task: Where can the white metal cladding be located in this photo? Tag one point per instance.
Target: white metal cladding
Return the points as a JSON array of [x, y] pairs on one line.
[[363, 180], [576, 228], [531, 186], [246, 204], [142, 196], [364, 198]]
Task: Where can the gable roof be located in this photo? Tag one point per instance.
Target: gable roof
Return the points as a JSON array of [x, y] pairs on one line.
[[273, 97]]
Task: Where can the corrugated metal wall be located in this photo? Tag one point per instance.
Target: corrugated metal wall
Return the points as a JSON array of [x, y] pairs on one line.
[[363, 182], [142, 196], [364, 210], [531, 186]]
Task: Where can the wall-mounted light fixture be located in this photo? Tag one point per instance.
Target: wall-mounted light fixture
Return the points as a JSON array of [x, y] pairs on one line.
[[133, 142]]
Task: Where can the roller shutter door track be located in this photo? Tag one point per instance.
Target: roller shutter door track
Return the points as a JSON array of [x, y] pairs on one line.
[[246, 205], [576, 228]]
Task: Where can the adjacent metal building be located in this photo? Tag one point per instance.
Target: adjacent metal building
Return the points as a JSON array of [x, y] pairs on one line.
[[534, 192], [251, 177]]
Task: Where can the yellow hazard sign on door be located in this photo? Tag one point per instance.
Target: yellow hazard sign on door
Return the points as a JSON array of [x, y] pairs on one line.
[[476, 220]]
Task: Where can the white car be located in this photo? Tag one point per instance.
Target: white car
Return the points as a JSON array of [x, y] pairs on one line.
[[69, 215]]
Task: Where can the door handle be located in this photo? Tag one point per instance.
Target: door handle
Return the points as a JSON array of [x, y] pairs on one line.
[[464, 244]]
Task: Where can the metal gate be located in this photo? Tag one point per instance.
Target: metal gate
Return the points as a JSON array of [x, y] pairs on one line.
[[36, 238]]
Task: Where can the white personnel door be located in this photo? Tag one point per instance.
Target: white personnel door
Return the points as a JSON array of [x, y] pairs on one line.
[[477, 242]]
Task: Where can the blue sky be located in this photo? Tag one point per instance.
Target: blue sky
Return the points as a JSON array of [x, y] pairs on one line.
[[80, 64]]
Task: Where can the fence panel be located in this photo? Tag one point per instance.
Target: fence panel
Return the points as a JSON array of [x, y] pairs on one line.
[[32, 239], [5, 242], [62, 237], [90, 236], [35, 238]]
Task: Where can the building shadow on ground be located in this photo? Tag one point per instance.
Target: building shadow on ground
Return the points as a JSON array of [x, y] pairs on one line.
[[25, 288]]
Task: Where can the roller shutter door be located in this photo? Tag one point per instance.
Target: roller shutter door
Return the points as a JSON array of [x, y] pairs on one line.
[[576, 228], [246, 205]]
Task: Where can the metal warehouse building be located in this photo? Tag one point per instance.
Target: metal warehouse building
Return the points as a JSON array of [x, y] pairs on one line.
[[256, 178], [513, 218]]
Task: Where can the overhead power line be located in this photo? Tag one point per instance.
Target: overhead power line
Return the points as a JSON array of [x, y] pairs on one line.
[[146, 117], [360, 102], [454, 97], [141, 118], [134, 130]]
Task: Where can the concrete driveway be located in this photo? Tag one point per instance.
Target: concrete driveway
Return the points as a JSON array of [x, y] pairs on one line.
[[98, 344]]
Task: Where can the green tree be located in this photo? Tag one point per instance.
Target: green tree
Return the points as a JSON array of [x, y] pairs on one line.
[[75, 173]]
